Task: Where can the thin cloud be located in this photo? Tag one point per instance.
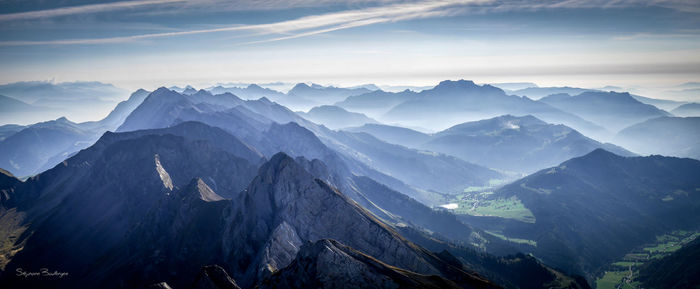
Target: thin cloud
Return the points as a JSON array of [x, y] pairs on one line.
[[82, 9], [298, 27]]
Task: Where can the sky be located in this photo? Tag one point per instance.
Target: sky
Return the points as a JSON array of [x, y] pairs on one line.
[[151, 43]]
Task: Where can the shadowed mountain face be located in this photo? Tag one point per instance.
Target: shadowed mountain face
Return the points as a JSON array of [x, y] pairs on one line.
[[593, 209], [329, 264], [672, 136], [611, 110], [678, 270]]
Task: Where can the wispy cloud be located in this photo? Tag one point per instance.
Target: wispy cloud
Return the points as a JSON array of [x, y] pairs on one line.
[[305, 26], [82, 9], [388, 11]]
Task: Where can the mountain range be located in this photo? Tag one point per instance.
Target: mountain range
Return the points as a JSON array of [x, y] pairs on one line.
[[612, 110], [282, 200], [138, 201]]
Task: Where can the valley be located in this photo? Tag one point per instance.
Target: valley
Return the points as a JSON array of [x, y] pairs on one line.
[[622, 274]]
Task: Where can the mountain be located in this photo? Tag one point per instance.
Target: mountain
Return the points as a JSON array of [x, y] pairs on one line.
[[40, 146], [512, 86], [303, 96], [252, 91], [437, 172], [594, 209], [127, 197], [25, 152], [688, 109], [77, 100], [540, 92], [9, 129], [117, 116], [376, 103], [678, 270], [37, 92], [249, 119], [672, 136], [109, 195], [664, 104], [454, 102], [16, 111], [611, 110], [335, 117], [522, 144], [9, 104], [393, 134]]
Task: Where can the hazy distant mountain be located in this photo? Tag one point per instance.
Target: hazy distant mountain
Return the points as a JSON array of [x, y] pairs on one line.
[[16, 111], [38, 92], [9, 129], [303, 96], [393, 134], [678, 270], [513, 86], [77, 100], [399, 88], [594, 209], [540, 92], [376, 103], [27, 151], [429, 170], [664, 104], [522, 144], [35, 148], [688, 109], [611, 110], [252, 91], [335, 117], [9, 104], [670, 136], [454, 102]]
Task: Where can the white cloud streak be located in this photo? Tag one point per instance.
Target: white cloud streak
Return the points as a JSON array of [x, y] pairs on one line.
[[305, 26], [324, 23], [82, 9]]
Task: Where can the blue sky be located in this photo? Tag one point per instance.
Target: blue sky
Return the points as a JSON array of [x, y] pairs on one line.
[[150, 43]]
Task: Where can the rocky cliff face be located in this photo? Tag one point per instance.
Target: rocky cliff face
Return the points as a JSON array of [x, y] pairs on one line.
[[329, 264]]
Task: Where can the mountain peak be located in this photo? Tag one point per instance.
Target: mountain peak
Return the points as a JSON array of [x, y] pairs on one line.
[[213, 276], [200, 190], [162, 90], [456, 83], [254, 86], [301, 85]]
